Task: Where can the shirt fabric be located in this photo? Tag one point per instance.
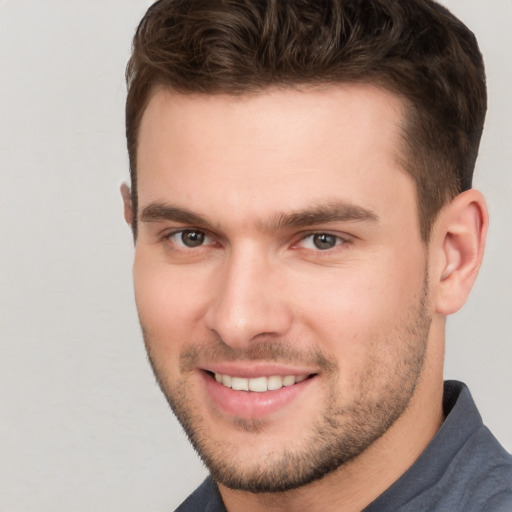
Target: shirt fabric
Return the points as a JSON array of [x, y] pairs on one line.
[[464, 468]]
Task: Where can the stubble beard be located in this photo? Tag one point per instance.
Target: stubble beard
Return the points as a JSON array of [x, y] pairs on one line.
[[340, 435]]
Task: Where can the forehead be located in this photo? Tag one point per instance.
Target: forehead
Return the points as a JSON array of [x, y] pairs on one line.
[[272, 150]]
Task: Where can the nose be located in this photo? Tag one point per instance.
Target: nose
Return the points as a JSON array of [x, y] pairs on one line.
[[249, 300]]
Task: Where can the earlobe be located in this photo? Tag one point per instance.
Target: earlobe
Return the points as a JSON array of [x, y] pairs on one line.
[[127, 202], [460, 236]]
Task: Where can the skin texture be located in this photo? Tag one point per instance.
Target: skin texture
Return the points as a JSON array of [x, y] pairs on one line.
[[253, 179]]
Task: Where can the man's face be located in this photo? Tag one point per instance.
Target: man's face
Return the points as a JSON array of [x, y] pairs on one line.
[[279, 253]]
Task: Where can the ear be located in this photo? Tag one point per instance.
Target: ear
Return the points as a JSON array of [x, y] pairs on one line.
[[458, 244], [127, 202]]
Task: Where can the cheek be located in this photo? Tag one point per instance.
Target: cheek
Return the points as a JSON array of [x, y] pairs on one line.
[[169, 302], [354, 310]]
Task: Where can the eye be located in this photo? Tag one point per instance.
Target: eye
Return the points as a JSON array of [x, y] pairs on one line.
[[190, 238], [320, 241]]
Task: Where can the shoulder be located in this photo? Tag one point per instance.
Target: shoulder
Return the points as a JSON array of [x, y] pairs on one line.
[[477, 475], [482, 471], [205, 498], [464, 468]]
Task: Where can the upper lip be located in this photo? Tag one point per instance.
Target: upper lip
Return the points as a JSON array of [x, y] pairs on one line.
[[252, 369]]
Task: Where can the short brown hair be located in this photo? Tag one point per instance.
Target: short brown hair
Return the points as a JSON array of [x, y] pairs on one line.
[[414, 48]]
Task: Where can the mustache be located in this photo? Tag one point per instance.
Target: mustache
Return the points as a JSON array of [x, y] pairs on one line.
[[280, 351]]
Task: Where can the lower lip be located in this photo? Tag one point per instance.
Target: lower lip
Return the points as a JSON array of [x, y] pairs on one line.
[[251, 404]]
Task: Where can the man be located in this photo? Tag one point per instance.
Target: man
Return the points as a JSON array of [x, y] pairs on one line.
[[304, 222]]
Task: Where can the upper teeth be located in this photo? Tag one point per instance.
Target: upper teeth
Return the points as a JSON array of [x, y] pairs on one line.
[[258, 384]]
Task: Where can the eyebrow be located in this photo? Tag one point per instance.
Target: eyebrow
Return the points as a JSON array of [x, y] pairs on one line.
[[333, 211], [159, 212]]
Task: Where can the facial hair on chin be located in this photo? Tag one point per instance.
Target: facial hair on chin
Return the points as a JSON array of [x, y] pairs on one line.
[[336, 437]]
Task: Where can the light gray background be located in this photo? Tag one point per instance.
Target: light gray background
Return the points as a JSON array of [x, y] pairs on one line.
[[83, 427]]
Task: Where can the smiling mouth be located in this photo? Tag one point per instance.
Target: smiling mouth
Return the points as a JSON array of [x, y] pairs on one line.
[[259, 384]]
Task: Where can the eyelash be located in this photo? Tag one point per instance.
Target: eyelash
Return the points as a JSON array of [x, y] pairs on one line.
[[340, 240], [168, 237]]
